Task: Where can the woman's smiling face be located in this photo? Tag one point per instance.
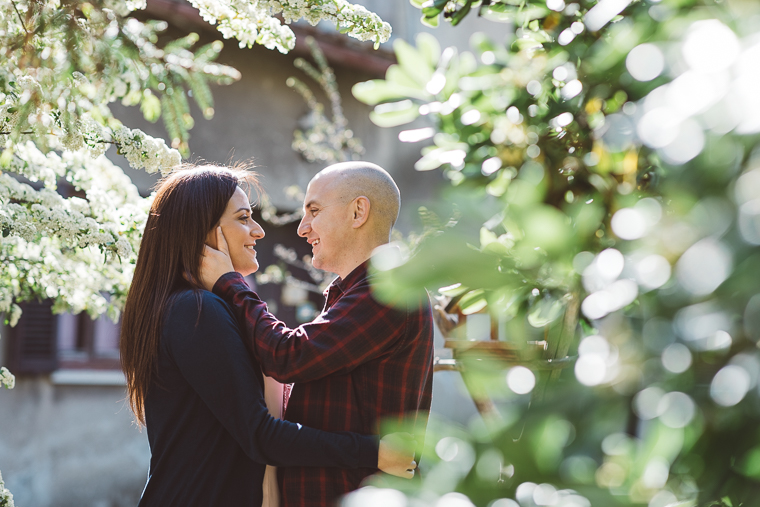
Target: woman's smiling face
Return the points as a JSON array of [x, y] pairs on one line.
[[241, 233]]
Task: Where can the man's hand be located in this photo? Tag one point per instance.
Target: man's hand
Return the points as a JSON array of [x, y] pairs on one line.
[[396, 455], [215, 263]]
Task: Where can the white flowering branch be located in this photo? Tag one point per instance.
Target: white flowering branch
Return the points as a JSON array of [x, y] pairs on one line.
[[254, 22], [6, 498], [54, 247]]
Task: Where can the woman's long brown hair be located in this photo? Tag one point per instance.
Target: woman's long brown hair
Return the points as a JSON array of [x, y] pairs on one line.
[[188, 204]]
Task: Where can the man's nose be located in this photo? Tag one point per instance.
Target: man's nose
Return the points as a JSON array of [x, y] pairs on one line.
[[304, 227]]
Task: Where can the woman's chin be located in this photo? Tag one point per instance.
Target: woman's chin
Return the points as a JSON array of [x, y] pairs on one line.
[[247, 270]]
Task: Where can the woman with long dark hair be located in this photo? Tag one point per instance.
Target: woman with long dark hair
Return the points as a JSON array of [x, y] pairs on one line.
[[190, 379]]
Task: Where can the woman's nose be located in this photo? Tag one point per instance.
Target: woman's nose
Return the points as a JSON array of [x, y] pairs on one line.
[[257, 231]]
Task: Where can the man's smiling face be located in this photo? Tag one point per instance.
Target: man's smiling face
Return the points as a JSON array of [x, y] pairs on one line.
[[326, 223]]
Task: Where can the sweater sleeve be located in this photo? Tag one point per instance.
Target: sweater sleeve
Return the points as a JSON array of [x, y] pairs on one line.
[[205, 345]]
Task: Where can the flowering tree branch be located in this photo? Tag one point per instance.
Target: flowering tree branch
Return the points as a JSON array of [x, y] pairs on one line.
[[254, 22]]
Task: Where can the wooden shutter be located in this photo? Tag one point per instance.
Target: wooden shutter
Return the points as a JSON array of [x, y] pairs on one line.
[[32, 346]]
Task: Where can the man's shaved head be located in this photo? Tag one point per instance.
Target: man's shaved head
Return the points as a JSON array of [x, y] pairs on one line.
[[353, 179]]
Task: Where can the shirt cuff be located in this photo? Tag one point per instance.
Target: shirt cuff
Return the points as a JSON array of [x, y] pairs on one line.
[[226, 284], [368, 451]]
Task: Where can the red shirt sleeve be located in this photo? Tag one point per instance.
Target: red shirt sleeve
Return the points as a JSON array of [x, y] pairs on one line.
[[353, 330]]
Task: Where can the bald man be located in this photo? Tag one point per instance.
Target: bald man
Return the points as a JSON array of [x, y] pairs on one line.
[[360, 362]]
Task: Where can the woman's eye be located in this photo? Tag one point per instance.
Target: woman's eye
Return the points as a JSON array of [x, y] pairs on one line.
[[244, 218]]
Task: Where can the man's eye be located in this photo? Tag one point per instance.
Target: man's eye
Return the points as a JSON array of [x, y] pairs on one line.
[[314, 211]]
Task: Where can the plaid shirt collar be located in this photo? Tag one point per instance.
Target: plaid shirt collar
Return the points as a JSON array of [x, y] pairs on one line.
[[342, 285]]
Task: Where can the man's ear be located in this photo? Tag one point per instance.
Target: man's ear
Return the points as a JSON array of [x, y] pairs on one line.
[[360, 209]]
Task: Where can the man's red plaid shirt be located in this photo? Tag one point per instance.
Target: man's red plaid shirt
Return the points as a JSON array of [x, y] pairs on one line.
[[357, 364]]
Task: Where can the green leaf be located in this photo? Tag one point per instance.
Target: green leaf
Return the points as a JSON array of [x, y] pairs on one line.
[[6, 158], [532, 14], [132, 98], [443, 260], [393, 114], [399, 76], [547, 228], [432, 21], [461, 13], [429, 47], [183, 43], [473, 302], [377, 91], [150, 106], [486, 236], [413, 62], [499, 13], [453, 290], [500, 184], [202, 94], [587, 216], [544, 311], [749, 465]]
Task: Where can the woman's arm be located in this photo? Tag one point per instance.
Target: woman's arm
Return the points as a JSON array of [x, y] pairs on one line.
[[209, 352]]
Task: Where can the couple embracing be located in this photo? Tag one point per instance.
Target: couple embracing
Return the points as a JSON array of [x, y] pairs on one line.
[[197, 346]]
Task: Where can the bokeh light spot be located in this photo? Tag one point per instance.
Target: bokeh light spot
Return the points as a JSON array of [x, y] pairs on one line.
[[370, 496], [647, 401], [629, 224], [676, 409], [645, 62], [590, 370], [710, 46], [653, 271], [504, 502], [454, 500], [571, 89], [521, 380], [730, 385], [656, 473], [676, 358], [704, 266]]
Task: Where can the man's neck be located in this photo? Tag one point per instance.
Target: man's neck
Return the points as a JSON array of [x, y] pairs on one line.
[[348, 269], [359, 259]]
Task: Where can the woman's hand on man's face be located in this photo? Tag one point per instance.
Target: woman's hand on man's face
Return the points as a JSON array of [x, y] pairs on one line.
[[396, 455], [215, 262]]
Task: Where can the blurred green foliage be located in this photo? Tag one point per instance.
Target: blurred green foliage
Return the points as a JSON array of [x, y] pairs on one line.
[[604, 169]]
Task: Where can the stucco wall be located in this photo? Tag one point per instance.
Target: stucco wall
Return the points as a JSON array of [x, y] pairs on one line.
[[74, 446]]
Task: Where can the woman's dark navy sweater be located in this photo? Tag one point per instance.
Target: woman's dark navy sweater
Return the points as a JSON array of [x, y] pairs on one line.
[[209, 431]]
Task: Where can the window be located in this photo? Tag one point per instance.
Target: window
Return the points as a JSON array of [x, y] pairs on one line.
[[42, 342], [31, 348], [86, 343]]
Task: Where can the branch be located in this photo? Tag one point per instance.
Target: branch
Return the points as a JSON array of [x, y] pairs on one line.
[[52, 134], [19, 17]]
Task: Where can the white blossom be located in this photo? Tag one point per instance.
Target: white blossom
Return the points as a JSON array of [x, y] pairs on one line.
[[253, 22], [9, 381], [6, 498]]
